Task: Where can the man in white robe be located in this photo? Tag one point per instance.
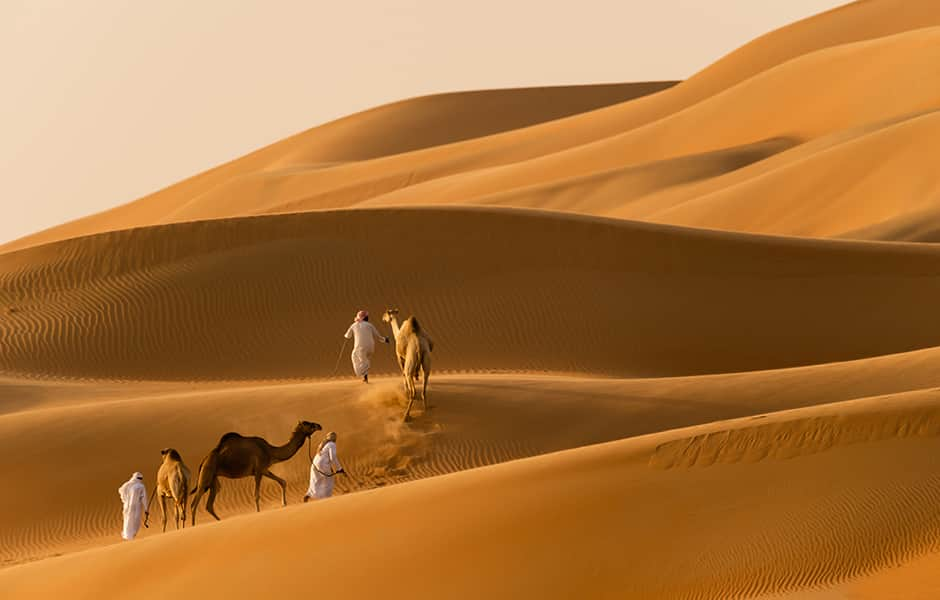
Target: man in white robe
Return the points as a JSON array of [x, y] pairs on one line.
[[365, 335], [324, 469], [134, 496]]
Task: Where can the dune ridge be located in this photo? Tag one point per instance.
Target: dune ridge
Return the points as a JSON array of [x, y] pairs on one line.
[[781, 440]]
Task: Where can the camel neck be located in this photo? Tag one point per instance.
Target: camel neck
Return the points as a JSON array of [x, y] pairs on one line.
[[288, 450], [395, 329]]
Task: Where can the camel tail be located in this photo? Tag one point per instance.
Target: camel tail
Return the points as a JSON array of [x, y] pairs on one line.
[[205, 471], [179, 485], [198, 474]]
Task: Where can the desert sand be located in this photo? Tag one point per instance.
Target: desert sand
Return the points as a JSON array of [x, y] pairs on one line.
[[685, 334]]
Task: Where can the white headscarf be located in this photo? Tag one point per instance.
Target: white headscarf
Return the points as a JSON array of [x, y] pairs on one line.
[[125, 490], [330, 437]]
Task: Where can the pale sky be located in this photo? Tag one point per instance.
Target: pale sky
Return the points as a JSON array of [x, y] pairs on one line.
[[104, 101]]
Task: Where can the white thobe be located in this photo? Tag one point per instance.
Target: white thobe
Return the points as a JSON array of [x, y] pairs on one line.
[[364, 335], [322, 471], [134, 496]]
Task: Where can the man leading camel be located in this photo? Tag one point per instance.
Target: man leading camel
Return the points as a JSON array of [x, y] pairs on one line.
[[364, 335], [324, 468]]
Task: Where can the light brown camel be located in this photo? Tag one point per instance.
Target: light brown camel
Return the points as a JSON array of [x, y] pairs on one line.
[[172, 482], [413, 348], [237, 456]]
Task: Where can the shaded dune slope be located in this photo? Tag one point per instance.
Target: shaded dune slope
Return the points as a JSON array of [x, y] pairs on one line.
[[879, 184], [610, 191], [270, 297]]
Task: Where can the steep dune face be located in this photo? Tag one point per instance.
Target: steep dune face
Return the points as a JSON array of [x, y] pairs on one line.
[[270, 297]]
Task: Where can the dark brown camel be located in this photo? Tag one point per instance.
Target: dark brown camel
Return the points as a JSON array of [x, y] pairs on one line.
[[237, 456]]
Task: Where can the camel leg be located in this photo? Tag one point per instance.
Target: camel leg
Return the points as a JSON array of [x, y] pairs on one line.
[[196, 498], [180, 507], [163, 510], [408, 410], [411, 401], [210, 503], [281, 482], [424, 392], [258, 492], [410, 392]]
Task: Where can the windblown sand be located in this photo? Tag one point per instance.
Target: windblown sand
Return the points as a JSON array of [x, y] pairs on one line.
[[686, 344]]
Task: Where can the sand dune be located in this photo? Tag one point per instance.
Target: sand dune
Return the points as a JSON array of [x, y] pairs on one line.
[[674, 357], [587, 521], [588, 296], [476, 423], [757, 109], [909, 226], [769, 73], [391, 129], [868, 187], [801, 99], [612, 191]]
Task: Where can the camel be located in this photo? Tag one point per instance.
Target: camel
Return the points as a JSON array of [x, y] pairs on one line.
[[172, 482], [413, 348], [237, 456]]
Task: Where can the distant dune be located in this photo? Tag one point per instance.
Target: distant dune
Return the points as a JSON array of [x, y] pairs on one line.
[[686, 343], [396, 128]]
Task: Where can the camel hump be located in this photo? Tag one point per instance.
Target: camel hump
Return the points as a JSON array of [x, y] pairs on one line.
[[174, 455], [414, 325], [231, 435]]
